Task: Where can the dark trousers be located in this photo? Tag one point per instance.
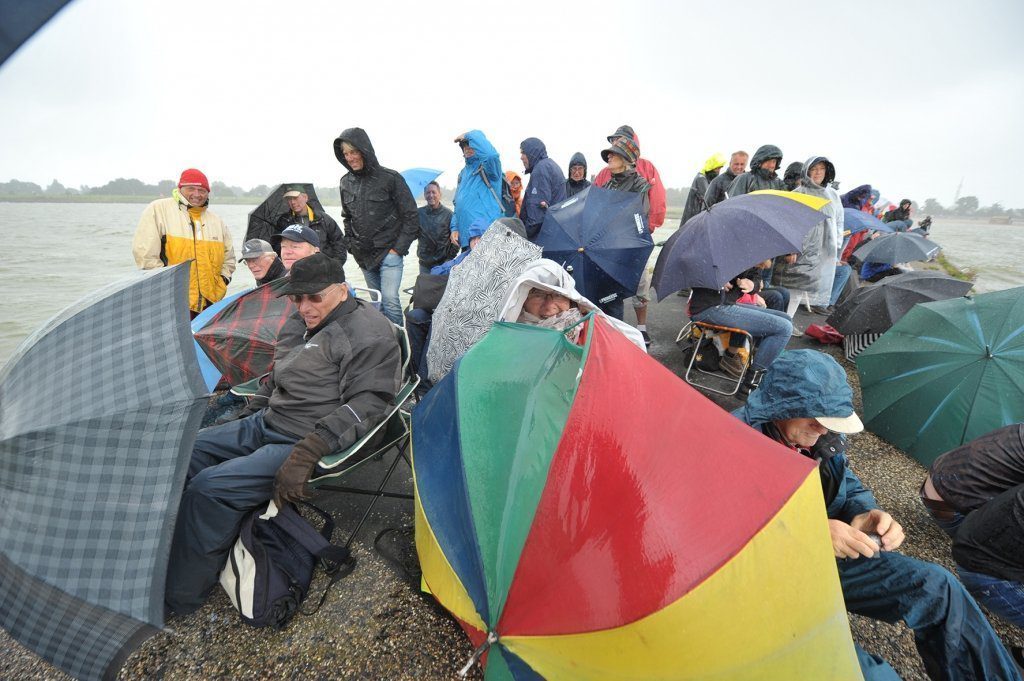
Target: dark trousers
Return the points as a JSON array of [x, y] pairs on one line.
[[951, 633], [231, 473], [417, 326], [613, 308], [776, 298]]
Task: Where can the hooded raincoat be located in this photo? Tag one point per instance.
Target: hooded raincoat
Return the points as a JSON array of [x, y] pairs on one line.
[[815, 266], [718, 190], [547, 185], [171, 232], [517, 193], [573, 188], [550, 276], [377, 206], [695, 199], [473, 198], [757, 177]]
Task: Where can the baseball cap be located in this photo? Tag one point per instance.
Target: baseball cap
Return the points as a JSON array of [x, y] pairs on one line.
[[291, 190], [298, 233], [254, 248], [313, 274], [842, 424]]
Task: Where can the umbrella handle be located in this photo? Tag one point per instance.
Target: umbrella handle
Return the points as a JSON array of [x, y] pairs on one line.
[[478, 653]]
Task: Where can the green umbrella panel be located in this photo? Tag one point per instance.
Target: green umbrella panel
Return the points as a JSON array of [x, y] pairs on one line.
[[946, 373]]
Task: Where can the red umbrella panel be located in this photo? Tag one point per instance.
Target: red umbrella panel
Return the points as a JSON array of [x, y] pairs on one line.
[[240, 340]]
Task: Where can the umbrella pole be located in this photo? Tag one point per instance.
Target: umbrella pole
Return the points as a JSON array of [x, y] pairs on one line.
[[478, 653]]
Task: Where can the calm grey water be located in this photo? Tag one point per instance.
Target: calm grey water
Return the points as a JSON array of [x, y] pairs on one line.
[[57, 252]]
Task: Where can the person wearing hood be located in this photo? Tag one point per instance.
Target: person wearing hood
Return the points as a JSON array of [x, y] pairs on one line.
[[656, 196], [899, 217], [805, 404], [332, 241], [718, 190], [810, 278], [434, 243], [545, 295], [515, 187], [478, 194], [791, 178], [265, 265], [182, 228], [546, 187], [699, 187], [380, 217], [577, 181], [762, 173], [621, 158]]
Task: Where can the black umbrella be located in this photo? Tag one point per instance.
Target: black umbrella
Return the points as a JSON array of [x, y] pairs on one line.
[[263, 219], [898, 247], [876, 307]]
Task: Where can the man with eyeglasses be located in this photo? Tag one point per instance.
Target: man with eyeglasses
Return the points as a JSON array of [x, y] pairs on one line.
[[262, 261], [182, 228], [336, 369]]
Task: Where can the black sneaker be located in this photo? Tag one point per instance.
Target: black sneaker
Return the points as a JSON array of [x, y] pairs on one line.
[[647, 339]]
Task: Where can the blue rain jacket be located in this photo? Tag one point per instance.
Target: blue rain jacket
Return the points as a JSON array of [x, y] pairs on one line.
[[473, 200], [547, 184]]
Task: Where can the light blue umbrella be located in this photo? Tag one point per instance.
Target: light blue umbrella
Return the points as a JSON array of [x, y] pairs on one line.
[[419, 178], [858, 221], [211, 374]]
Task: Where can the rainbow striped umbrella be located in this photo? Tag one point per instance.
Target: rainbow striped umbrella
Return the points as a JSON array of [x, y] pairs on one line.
[[585, 514]]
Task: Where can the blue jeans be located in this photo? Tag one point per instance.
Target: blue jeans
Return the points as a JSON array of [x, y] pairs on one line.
[[231, 473], [1001, 596], [387, 279], [839, 283], [952, 635], [776, 298], [770, 328]]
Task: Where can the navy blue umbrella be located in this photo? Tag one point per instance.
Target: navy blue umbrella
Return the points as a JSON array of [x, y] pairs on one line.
[[858, 221], [898, 247], [601, 238], [732, 236]]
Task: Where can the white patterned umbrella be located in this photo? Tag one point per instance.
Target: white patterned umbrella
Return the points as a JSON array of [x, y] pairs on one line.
[[475, 294], [98, 414]]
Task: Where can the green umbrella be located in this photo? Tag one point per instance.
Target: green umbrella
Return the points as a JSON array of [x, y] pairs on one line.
[[946, 373]]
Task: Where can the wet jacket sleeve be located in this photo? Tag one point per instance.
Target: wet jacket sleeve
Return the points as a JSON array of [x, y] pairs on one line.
[[227, 268], [859, 498], [739, 186], [407, 214], [657, 197], [335, 246], [368, 384], [146, 244]]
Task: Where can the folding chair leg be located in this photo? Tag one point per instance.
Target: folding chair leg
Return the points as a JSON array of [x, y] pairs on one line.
[[378, 494]]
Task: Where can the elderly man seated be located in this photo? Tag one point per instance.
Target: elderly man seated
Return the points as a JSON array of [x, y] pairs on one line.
[[259, 256], [296, 242], [805, 403], [336, 369]]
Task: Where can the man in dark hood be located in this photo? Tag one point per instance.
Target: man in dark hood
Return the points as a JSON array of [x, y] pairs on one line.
[[546, 187], [577, 181], [805, 403], [762, 173], [380, 217], [718, 190]]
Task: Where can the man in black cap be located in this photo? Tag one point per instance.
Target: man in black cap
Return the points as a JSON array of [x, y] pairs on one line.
[[296, 242], [332, 241], [336, 369]]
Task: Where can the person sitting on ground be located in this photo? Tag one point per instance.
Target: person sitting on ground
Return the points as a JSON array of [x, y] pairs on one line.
[[434, 244], [699, 187], [301, 213], [545, 295], [546, 188], [806, 404], [770, 329], [337, 367], [899, 217], [975, 493], [762, 173], [295, 243], [515, 187], [262, 261], [577, 181], [718, 190]]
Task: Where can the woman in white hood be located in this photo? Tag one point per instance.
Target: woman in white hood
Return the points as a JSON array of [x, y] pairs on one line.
[[545, 295]]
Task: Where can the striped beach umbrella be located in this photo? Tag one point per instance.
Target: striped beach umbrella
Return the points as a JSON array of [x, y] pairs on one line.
[[585, 514]]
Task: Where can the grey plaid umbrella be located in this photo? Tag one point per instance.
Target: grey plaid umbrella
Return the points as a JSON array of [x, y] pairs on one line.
[[98, 413]]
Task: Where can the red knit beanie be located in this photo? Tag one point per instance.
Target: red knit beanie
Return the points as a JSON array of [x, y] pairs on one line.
[[193, 177]]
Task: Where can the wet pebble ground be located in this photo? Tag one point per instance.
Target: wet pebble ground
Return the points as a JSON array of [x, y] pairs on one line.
[[375, 624]]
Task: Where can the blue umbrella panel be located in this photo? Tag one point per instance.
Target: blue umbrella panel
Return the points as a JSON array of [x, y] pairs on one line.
[[419, 178], [600, 236]]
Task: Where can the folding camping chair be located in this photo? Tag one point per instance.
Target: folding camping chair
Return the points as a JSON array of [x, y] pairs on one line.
[[702, 337], [396, 432]]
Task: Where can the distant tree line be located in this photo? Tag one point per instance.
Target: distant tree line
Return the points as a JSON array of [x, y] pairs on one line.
[[969, 206]]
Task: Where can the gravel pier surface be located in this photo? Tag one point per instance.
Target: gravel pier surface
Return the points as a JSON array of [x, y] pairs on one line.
[[375, 624]]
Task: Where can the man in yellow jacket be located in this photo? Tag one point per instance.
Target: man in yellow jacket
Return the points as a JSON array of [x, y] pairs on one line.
[[182, 228]]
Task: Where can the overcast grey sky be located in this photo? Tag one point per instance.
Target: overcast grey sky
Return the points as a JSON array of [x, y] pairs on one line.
[[907, 96]]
